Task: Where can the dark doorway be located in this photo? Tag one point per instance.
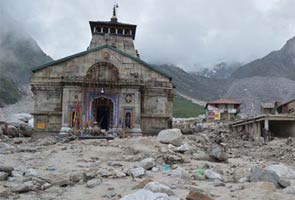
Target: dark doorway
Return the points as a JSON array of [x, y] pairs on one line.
[[103, 112]]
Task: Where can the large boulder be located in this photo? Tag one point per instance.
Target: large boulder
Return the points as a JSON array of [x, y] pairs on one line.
[[282, 171], [157, 187], [26, 130], [148, 163], [146, 195], [218, 152], [170, 136], [12, 131], [258, 174], [136, 172]]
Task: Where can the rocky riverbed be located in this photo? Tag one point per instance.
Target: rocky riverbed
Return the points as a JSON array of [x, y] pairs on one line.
[[207, 165]]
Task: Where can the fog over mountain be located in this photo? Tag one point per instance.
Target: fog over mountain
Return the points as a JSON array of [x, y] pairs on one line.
[[188, 33]]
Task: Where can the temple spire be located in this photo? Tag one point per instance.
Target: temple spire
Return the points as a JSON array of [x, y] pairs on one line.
[[114, 17]]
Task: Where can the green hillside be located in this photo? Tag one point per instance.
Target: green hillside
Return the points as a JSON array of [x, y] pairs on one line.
[[184, 108]]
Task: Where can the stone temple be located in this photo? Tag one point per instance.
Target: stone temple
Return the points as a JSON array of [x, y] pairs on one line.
[[108, 84]]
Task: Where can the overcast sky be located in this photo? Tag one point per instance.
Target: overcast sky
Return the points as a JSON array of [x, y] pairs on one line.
[[189, 33]]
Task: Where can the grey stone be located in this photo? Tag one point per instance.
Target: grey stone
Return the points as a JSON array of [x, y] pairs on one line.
[[289, 190], [157, 187], [26, 130], [170, 136], [282, 171], [180, 173], [77, 177], [136, 172], [217, 152], [93, 182], [22, 188], [258, 174], [148, 163], [12, 131], [210, 174], [183, 148], [30, 172], [145, 195], [3, 176], [7, 169], [284, 183]]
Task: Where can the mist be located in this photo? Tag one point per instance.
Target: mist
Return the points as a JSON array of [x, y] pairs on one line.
[[191, 34]]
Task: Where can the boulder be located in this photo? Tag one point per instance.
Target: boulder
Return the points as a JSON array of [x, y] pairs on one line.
[[172, 159], [146, 195], [77, 177], [23, 187], [268, 186], [30, 172], [196, 195], [148, 163], [180, 173], [136, 172], [183, 148], [3, 176], [12, 131], [284, 183], [258, 174], [26, 130], [282, 171], [157, 187], [93, 182], [7, 169], [217, 152], [210, 174], [289, 190], [170, 136]]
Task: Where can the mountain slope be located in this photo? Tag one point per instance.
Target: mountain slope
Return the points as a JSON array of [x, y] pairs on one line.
[[19, 52], [279, 63], [195, 86]]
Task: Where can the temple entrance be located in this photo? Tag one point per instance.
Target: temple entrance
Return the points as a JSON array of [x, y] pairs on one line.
[[103, 112]]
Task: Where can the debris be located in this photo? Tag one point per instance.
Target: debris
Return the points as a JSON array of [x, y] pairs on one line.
[[210, 174], [258, 174], [145, 195], [136, 172], [170, 136], [218, 152], [157, 187], [148, 163], [195, 195]]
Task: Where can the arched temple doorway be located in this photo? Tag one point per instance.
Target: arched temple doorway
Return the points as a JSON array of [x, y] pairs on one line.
[[102, 109]]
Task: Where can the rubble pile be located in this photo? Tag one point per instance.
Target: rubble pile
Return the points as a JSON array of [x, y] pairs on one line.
[[212, 164]]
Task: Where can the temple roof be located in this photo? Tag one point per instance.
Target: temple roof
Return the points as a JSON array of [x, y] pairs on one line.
[[37, 68]]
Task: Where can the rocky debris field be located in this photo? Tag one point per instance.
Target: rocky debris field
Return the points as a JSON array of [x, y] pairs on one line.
[[212, 164]]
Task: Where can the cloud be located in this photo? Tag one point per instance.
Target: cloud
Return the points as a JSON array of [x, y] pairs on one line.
[[189, 33]]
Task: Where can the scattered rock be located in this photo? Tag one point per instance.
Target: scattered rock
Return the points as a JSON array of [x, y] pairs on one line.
[[145, 195], [170, 136], [143, 183], [136, 172], [148, 163], [7, 169], [93, 182], [172, 159], [284, 183], [210, 174], [289, 190], [22, 188], [183, 148], [218, 152], [157, 187], [268, 186], [195, 195], [282, 171], [26, 130], [258, 174], [3, 176], [30, 172], [12, 131], [180, 173], [77, 177]]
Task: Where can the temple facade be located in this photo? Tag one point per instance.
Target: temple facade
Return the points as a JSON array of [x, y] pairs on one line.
[[108, 84]]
